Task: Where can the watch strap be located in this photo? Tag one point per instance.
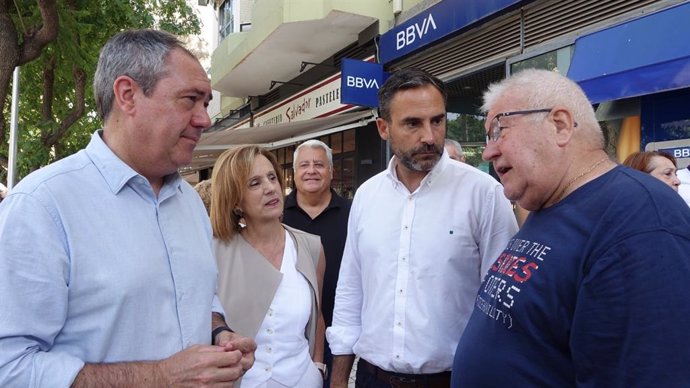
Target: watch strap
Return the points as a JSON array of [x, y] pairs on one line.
[[217, 331]]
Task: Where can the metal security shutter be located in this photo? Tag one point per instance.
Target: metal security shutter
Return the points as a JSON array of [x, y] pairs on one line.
[[500, 38], [544, 21], [521, 29]]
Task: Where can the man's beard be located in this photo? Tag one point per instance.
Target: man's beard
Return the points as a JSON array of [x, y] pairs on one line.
[[408, 160]]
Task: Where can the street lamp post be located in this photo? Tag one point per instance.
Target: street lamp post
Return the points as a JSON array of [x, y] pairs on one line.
[[12, 155]]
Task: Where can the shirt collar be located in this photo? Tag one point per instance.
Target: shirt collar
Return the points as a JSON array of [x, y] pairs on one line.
[[336, 200], [116, 172]]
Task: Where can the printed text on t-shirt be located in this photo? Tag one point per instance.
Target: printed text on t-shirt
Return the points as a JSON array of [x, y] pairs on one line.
[[514, 266]]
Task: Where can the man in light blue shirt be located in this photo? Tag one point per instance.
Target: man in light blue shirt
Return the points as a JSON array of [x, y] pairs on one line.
[[107, 277]]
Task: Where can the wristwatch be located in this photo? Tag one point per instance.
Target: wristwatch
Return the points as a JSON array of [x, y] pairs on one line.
[[217, 331], [322, 368]]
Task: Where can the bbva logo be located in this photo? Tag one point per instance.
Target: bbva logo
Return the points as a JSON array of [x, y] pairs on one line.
[[361, 82], [414, 32]]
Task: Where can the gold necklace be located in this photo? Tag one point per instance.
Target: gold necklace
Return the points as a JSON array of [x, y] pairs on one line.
[[583, 173]]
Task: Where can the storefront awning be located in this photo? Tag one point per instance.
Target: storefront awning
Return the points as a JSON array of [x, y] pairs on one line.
[[646, 55], [212, 144]]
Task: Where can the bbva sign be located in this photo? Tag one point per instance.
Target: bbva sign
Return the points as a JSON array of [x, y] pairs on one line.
[[360, 82]]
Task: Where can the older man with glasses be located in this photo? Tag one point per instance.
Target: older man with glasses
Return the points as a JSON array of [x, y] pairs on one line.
[[592, 290]]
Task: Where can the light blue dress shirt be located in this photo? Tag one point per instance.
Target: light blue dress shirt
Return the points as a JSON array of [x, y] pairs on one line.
[[95, 268]]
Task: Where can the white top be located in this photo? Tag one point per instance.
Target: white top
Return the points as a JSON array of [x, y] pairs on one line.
[[282, 350], [413, 263], [684, 188]]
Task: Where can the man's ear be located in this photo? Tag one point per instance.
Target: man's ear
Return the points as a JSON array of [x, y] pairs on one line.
[[125, 89], [565, 125], [383, 127]]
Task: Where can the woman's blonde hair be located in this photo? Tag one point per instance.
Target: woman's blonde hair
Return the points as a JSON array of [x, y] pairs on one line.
[[642, 161], [229, 180]]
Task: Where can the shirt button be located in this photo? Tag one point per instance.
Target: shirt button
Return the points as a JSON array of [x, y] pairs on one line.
[[268, 349], [267, 369], [270, 312], [269, 331]]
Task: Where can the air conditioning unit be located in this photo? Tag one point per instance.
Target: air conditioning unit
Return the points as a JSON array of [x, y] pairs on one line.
[[203, 2]]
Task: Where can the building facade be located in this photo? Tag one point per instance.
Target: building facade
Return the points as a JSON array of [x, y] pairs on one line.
[[630, 57]]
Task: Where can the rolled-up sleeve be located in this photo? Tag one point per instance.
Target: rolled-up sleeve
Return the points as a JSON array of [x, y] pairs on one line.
[[347, 319], [34, 284]]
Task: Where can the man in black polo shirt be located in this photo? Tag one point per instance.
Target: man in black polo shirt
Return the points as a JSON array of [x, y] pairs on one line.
[[316, 208]]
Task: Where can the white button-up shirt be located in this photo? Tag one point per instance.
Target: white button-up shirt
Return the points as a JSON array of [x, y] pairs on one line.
[[282, 352], [413, 263]]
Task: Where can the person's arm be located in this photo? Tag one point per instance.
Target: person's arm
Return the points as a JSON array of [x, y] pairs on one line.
[[34, 270], [199, 365], [341, 369], [498, 225], [347, 319]]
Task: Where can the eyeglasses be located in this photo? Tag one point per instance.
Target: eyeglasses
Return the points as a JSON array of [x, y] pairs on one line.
[[495, 127]]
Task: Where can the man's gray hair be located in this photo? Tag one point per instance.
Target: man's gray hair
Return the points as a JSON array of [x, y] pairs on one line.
[[540, 89], [455, 144], [315, 144], [138, 54]]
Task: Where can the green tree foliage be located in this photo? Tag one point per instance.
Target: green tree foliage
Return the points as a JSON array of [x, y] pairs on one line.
[[468, 130], [56, 106]]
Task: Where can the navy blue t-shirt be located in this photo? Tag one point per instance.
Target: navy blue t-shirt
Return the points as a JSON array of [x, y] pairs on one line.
[[591, 292]]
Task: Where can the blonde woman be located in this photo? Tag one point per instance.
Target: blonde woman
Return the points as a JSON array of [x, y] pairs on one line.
[[658, 164], [269, 275]]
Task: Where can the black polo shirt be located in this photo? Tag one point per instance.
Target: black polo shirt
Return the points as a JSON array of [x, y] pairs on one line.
[[331, 225]]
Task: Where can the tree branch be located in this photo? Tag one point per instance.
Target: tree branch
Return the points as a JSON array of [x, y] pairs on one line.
[[75, 113], [35, 41], [48, 89]]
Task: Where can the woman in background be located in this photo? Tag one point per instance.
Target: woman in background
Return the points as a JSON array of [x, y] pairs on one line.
[[269, 275], [658, 164]]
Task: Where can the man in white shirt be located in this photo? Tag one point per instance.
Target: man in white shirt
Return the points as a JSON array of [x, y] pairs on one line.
[[684, 188], [421, 236]]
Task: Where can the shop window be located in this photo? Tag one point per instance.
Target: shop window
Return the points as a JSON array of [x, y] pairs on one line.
[[288, 179], [349, 141], [469, 131], [337, 182], [337, 143], [289, 154], [347, 188], [556, 60], [620, 124]]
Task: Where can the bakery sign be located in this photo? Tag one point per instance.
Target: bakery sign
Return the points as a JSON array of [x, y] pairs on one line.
[[319, 100]]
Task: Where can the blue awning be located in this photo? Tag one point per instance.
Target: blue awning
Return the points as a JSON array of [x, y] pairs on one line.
[[646, 55]]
